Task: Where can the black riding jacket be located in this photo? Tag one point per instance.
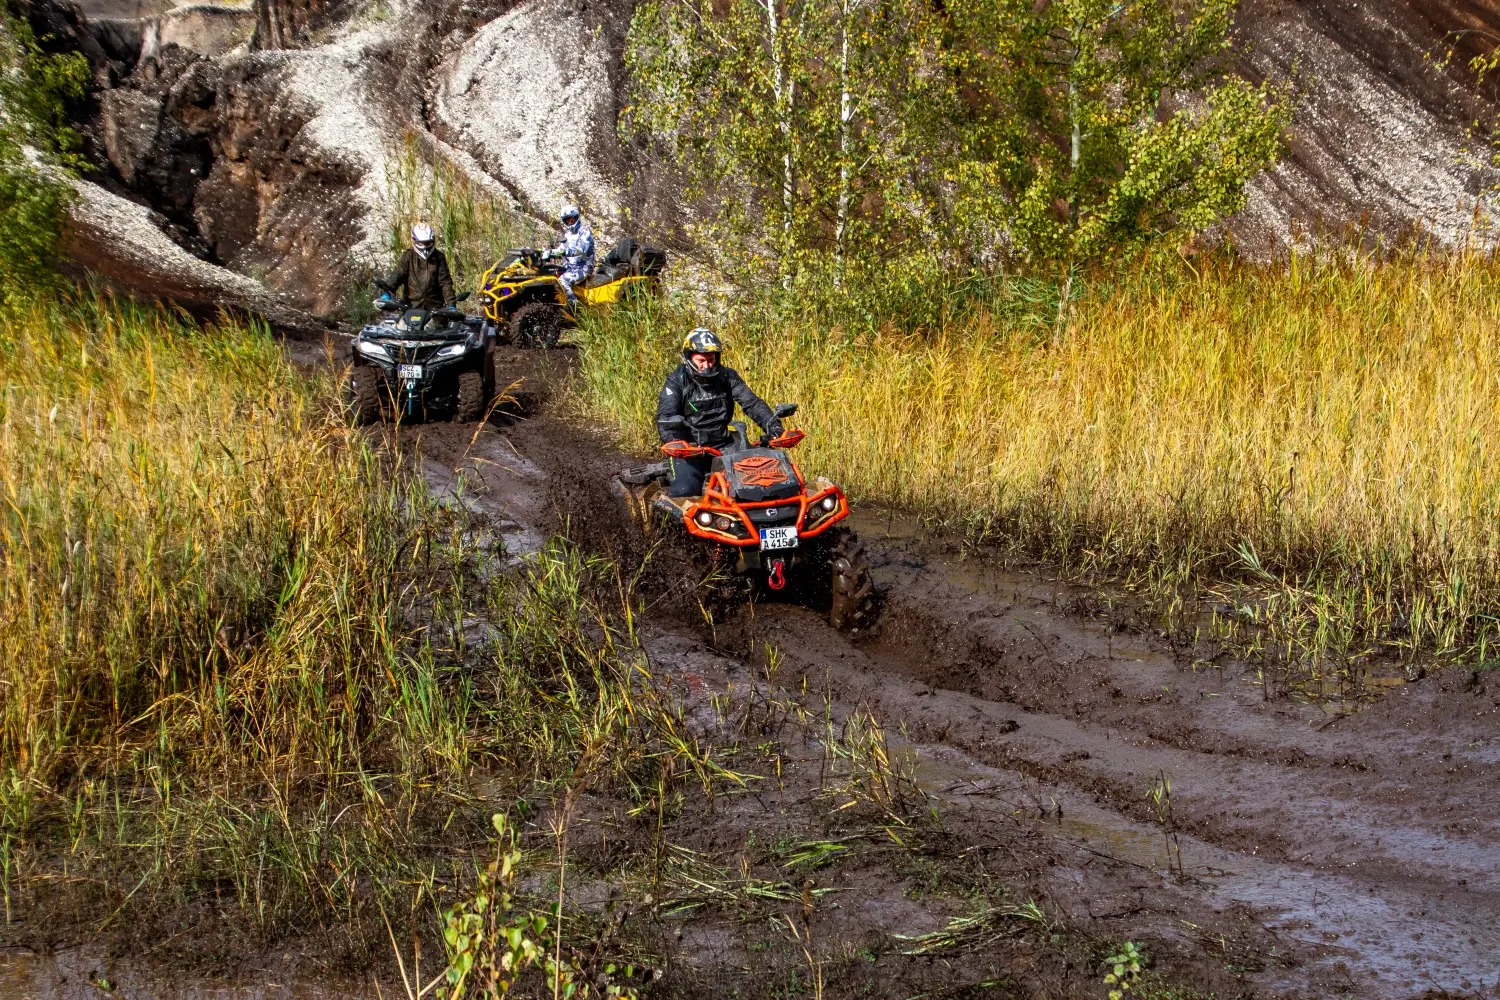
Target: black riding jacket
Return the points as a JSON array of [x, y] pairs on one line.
[[428, 283], [707, 403]]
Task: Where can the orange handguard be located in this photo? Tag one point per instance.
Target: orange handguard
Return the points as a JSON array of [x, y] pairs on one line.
[[686, 449], [787, 439]]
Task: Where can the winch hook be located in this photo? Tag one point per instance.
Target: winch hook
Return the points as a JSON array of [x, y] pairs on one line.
[[777, 579]]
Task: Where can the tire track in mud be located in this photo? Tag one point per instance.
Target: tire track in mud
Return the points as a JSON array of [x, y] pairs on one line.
[[1368, 844]]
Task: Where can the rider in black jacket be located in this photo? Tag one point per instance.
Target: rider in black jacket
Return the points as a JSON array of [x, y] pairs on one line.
[[423, 272], [703, 392]]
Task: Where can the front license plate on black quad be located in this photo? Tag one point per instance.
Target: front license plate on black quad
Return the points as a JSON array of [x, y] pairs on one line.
[[778, 538], [412, 372]]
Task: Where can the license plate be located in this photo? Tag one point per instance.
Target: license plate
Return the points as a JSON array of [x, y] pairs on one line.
[[778, 538], [409, 371]]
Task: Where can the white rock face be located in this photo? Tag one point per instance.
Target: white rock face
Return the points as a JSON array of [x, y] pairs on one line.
[[1363, 152], [530, 97], [333, 82], [207, 29]]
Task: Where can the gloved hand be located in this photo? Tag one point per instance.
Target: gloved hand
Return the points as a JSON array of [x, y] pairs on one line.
[[774, 429]]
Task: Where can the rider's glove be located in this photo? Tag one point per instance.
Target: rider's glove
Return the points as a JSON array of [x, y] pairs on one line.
[[774, 429]]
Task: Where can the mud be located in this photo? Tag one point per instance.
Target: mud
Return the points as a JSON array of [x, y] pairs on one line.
[[1357, 850], [1299, 852]]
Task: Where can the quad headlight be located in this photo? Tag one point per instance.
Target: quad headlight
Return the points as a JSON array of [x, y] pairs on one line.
[[819, 511], [372, 349], [452, 350], [723, 523]]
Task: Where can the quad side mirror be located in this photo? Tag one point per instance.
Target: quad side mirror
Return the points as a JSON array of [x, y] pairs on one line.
[[674, 421], [784, 410]]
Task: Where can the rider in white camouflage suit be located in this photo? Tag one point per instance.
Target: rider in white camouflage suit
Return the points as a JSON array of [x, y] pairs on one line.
[[578, 251]]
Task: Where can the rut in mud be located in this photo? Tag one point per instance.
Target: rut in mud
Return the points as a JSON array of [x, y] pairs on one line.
[[1356, 852]]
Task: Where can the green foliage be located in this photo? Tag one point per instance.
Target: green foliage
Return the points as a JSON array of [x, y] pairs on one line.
[[1124, 969], [491, 942], [985, 129], [34, 89], [1098, 125]]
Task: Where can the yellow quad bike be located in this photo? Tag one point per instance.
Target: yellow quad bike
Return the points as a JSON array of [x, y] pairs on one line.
[[523, 297]]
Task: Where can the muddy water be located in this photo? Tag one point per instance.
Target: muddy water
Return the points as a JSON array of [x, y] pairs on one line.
[[1367, 840], [1388, 939]]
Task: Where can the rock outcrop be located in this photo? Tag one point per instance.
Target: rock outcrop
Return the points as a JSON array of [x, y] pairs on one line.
[[263, 166], [533, 96], [126, 244], [1384, 138]]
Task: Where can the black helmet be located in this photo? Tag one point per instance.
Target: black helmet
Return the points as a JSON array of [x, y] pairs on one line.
[[702, 341]]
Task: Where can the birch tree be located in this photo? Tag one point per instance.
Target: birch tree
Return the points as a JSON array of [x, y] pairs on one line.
[[786, 117], [959, 132]]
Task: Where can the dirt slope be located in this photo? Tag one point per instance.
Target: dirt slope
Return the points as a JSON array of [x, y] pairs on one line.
[[1383, 137]]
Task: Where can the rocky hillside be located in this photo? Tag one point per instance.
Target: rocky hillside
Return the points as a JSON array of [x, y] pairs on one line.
[[1383, 138], [242, 151]]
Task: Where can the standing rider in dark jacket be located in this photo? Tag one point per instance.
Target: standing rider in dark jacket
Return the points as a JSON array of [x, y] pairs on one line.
[[703, 392], [423, 270]]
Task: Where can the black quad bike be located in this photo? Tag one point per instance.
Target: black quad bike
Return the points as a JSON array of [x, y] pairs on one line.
[[416, 363], [765, 522]]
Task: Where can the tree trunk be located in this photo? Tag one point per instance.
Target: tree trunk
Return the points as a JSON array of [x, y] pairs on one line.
[[846, 118], [785, 90]]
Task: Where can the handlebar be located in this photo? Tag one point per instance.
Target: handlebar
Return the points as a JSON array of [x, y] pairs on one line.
[[686, 449]]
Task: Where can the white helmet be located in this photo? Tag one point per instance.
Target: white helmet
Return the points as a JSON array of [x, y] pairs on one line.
[[422, 240], [570, 215]]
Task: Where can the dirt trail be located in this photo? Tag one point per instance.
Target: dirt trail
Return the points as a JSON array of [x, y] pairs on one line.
[[1303, 854], [1364, 844]]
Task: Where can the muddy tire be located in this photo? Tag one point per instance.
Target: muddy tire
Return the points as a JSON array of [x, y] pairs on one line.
[[852, 588], [536, 324], [362, 396], [470, 398]]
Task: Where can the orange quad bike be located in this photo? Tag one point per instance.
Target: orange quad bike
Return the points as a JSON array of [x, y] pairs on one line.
[[770, 525]]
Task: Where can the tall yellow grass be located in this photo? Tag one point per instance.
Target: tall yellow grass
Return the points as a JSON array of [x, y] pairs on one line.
[[203, 639], [238, 650], [473, 227], [1325, 429]]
